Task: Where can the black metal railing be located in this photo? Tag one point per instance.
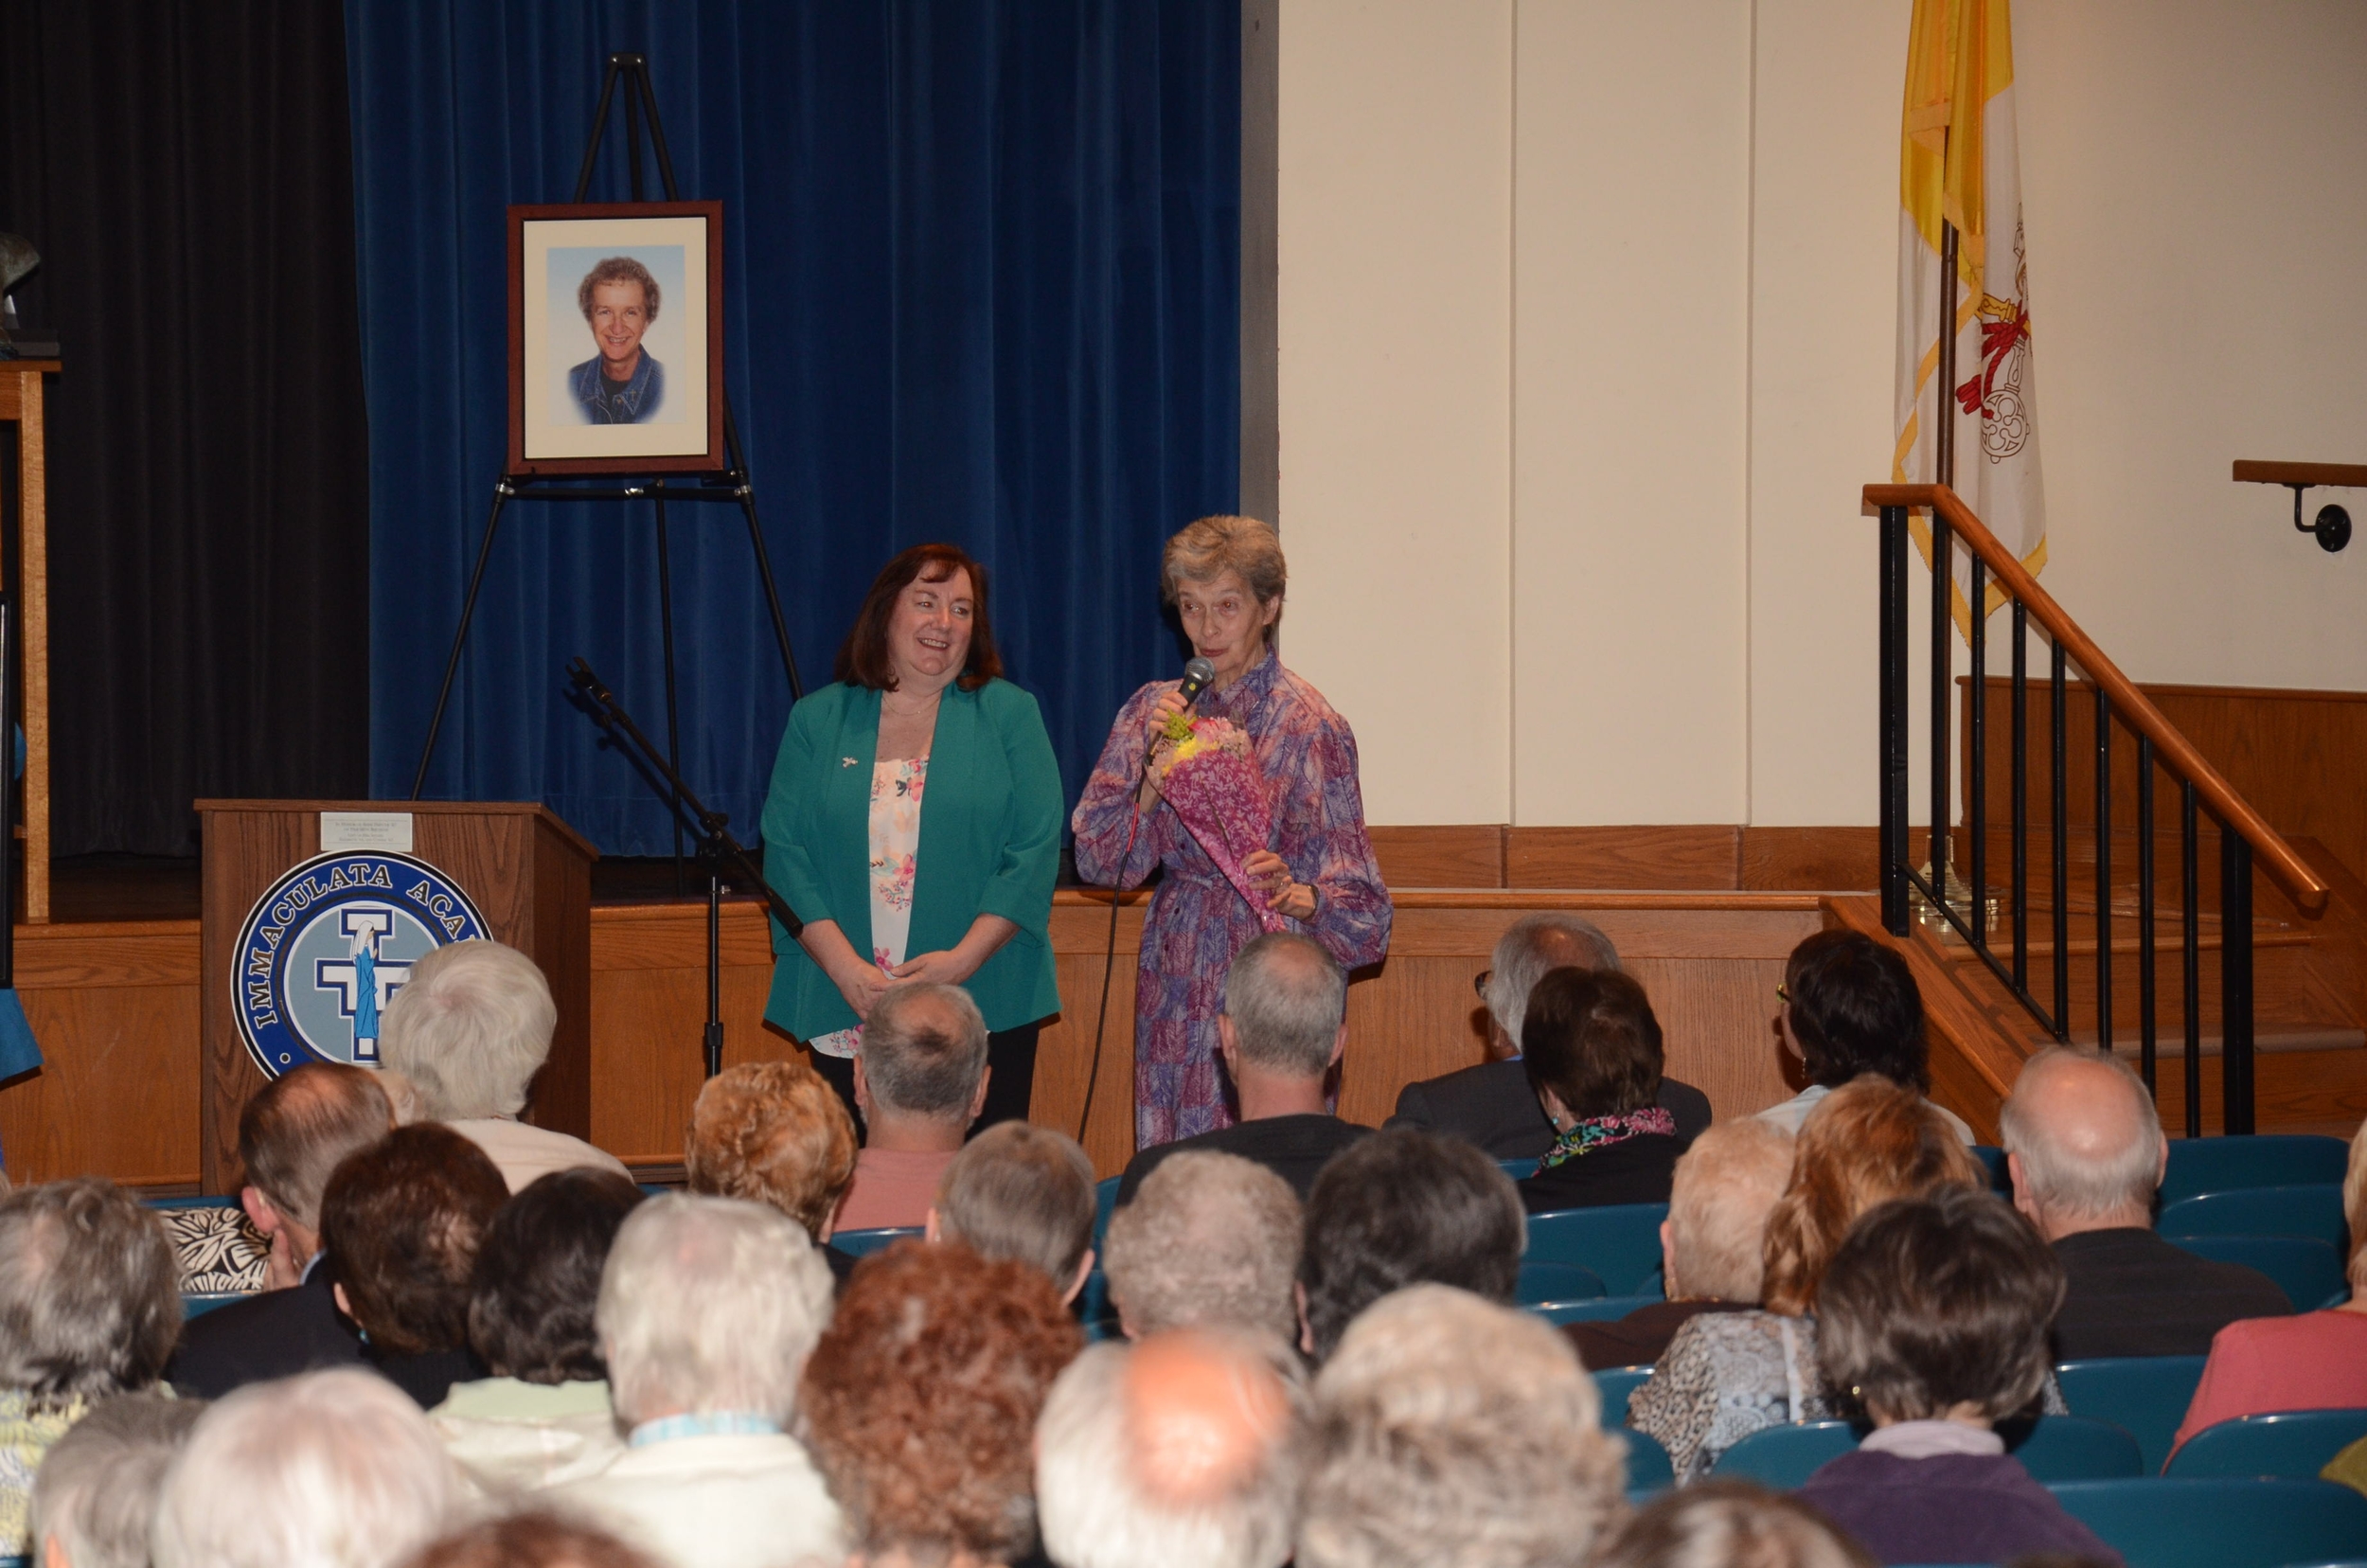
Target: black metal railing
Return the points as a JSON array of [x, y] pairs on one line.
[[1965, 908]]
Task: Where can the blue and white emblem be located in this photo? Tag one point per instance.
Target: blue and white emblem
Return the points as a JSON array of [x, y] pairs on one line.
[[327, 947]]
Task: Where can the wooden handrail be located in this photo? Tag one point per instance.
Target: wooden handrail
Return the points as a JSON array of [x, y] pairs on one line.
[[2172, 749], [2248, 471]]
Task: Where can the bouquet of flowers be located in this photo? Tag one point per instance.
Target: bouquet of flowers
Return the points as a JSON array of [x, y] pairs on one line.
[[1211, 778]]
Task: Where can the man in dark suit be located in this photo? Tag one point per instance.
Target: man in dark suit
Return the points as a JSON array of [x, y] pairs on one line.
[[291, 1137], [2085, 1149], [1284, 1026], [1492, 1104]]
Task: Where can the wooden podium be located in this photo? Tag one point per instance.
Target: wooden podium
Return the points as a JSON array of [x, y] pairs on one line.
[[527, 872]]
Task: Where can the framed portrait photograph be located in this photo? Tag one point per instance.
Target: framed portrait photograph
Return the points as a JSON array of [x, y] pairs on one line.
[[617, 338]]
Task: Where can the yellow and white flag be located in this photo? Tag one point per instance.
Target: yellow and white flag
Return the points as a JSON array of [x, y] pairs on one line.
[[1958, 165]]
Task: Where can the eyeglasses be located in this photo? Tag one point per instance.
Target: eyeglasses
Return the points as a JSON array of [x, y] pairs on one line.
[[1479, 981], [1784, 996]]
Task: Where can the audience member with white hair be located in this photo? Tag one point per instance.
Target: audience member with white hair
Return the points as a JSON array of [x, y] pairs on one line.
[[90, 1304], [1712, 1245], [467, 1030], [292, 1137], [1721, 1523], [1182, 1450], [920, 1079], [1404, 1208], [96, 1496], [1449, 1429], [708, 1309], [2085, 1148], [1023, 1192], [332, 1469], [1211, 1241], [1492, 1104]]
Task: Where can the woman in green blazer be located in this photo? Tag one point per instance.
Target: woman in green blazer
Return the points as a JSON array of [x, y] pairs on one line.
[[914, 824]]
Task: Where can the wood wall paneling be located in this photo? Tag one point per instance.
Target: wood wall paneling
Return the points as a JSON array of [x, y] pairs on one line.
[[115, 1007], [22, 400], [1696, 856], [649, 1007], [2299, 757], [1448, 856]]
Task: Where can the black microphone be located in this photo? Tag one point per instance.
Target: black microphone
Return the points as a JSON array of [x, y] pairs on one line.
[[1197, 676]]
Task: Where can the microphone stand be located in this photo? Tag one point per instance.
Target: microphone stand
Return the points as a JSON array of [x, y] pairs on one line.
[[715, 845]]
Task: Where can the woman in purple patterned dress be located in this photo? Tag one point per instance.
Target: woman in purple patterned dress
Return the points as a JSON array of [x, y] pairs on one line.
[[1225, 576]]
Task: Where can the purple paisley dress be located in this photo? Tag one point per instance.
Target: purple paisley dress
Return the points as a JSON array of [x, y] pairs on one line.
[[1198, 920]]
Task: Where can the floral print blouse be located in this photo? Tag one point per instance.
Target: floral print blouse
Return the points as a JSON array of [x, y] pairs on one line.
[[896, 789]]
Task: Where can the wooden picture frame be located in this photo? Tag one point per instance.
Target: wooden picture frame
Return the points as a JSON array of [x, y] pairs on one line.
[[616, 339]]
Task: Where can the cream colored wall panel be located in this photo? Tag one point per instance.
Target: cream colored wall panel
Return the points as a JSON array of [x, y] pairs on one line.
[[1395, 217], [2194, 185], [1824, 227], [1631, 249]]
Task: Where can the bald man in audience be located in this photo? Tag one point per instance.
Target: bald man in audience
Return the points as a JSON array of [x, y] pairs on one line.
[[920, 1077], [1183, 1451], [291, 1135], [2085, 1148], [1210, 1241]]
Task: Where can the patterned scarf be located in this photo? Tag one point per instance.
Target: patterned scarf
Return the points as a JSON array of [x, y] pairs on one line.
[[1589, 1133]]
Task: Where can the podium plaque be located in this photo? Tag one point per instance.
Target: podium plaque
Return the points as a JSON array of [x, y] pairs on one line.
[[391, 879]]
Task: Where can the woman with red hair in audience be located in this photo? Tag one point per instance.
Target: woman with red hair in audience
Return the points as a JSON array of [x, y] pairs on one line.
[[920, 1403], [1727, 1375]]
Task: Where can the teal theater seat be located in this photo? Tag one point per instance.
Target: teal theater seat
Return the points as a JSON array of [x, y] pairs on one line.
[[2307, 1269], [1609, 1309], [1543, 1282], [2219, 1524], [1620, 1242], [1615, 1383], [2224, 1165], [1650, 1468], [2145, 1395], [862, 1243], [1105, 1196], [1784, 1456], [2314, 1211], [2077, 1448], [2294, 1444]]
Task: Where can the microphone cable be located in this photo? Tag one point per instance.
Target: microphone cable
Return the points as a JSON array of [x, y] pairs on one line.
[[1198, 675], [1110, 950]]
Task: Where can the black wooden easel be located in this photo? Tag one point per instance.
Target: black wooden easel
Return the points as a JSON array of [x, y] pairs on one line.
[[731, 485]]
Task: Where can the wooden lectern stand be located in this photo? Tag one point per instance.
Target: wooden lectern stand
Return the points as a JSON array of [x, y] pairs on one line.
[[526, 871]]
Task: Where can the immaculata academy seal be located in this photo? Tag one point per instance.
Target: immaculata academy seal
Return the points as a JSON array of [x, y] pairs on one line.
[[328, 944]]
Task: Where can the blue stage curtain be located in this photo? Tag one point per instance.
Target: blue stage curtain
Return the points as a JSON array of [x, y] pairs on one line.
[[982, 285]]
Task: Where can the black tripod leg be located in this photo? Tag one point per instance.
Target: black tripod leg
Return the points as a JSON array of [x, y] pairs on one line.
[[764, 557], [714, 1041], [600, 124], [503, 490], [673, 711]]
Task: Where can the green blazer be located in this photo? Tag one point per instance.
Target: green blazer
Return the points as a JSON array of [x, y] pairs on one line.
[[990, 845]]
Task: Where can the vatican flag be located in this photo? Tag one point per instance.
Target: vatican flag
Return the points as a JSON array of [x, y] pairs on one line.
[[1957, 165]]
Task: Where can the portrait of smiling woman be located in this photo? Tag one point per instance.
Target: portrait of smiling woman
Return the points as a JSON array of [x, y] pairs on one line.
[[914, 824], [622, 382]]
